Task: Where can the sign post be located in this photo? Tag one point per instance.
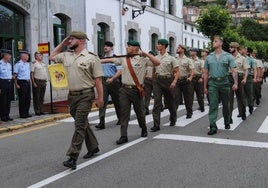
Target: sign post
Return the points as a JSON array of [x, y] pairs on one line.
[[44, 48]]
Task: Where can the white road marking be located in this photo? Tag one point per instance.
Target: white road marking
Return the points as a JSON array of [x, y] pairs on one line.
[[236, 121], [85, 164], [182, 121], [264, 126], [91, 114], [114, 117], [220, 141], [149, 118]]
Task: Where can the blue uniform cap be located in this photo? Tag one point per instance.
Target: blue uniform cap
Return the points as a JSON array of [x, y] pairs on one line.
[[5, 51], [194, 49], [24, 52]]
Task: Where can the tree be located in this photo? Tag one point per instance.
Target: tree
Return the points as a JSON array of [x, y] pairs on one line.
[[213, 21], [252, 30]]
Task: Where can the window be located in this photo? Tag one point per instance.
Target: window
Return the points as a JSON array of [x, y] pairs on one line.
[[154, 39], [153, 3], [59, 28], [171, 7], [192, 45], [132, 34], [198, 44], [192, 29], [185, 41], [171, 46], [185, 27], [103, 33]]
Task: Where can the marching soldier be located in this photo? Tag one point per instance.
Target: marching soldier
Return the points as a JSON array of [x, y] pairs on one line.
[[148, 85], [198, 79], [242, 67], [131, 92], [84, 72], [167, 75], [185, 85], [215, 76], [5, 84], [257, 84], [22, 81], [252, 76]]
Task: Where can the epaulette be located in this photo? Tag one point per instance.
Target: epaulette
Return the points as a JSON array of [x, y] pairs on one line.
[[92, 53], [33, 62]]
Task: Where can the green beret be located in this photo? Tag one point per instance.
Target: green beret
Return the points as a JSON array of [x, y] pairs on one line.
[[163, 41], [234, 45], [183, 46], [133, 43], [78, 35]]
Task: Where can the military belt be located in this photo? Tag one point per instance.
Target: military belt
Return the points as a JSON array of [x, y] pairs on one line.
[[218, 78], [129, 86], [24, 80], [163, 76], [5, 80], [81, 92]]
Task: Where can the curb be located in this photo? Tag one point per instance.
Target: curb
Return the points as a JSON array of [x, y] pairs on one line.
[[10, 128]]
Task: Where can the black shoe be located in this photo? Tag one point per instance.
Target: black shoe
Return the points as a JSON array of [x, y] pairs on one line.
[[244, 117], [257, 101], [42, 113], [172, 124], [91, 153], [24, 116], [227, 126], [202, 109], [38, 114], [100, 126], [231, 121], [9, 119], [188, 116], [238, 115], [70, 163], [122, 140], [250, 109], [29, 115], [144, 133], [154, 129], [118, 122], [212, 131]]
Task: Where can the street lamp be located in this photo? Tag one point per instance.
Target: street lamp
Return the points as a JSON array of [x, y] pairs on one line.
[[136, 13]]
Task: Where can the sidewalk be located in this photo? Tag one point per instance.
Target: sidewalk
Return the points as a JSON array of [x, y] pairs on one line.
[[19, 123]]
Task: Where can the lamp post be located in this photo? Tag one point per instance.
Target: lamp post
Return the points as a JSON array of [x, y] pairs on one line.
[[138, 12]]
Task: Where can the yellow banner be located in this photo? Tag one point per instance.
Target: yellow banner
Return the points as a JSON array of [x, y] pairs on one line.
[[58, 76]]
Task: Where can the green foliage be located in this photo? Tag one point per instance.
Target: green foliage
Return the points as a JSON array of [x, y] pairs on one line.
[[252, 30], [213, 21]]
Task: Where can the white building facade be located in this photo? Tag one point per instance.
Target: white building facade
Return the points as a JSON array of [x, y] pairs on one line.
[[26, 23]]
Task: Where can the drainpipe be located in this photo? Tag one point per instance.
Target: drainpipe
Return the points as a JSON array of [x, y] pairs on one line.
[[165, 24], [120, 26]]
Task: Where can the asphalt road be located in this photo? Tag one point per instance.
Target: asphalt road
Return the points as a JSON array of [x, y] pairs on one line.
[[180, 156]]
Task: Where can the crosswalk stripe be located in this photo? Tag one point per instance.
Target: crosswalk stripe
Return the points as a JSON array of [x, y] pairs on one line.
[[149, 118], [91, 114], [236, 121], [182, 121], [264, 126]]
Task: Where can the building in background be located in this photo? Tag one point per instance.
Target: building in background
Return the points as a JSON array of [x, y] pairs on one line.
[[25, 24]]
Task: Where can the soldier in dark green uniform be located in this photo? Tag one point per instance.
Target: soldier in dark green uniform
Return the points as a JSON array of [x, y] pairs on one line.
[[252, 77], [242, 67], [84, 72], [215, 75]]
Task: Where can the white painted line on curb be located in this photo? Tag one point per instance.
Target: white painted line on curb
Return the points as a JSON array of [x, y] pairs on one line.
[[85, 164], [220, 141], [264, 126]]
